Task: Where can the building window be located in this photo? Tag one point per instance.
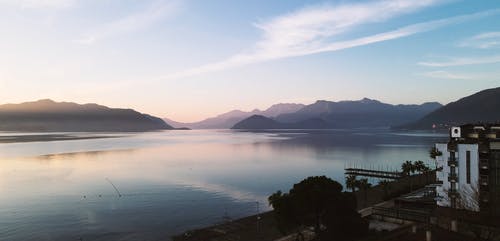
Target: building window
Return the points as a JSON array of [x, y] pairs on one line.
[[467, 164]]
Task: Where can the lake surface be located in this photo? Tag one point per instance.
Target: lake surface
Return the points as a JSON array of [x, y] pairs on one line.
[[171, 181]]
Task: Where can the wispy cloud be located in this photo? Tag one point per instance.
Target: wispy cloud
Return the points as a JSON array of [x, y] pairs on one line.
[[441, 74], [311, 30], [463, 61], [444, 74], [153, 13], [482, 41]]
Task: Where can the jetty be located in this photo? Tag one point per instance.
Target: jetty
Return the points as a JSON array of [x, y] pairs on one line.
[[374, 173]]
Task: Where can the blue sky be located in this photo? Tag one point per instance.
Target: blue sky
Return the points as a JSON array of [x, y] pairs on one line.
[[188, 60]]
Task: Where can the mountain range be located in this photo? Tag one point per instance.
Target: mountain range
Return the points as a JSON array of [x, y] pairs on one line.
[[47, 115], [483, 106], [229, 119], [364, 113]]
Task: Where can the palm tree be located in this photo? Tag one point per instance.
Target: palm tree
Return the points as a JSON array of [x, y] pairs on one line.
[[350, 182], [408, 168], [421, 167]]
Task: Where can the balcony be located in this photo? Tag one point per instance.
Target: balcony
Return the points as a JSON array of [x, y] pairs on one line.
[[453, 177], [452, 147], [484, 148], [453, 193], [484, 164], [483, 180], [484, 196], [452, 162]]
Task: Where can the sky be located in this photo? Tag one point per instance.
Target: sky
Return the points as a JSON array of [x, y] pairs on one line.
[[192, 59]]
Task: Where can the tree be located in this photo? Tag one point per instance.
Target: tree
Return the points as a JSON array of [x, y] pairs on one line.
[[423, 169], [350, 182], [420, 167], [408, 168], [434, 152], [318, 202]]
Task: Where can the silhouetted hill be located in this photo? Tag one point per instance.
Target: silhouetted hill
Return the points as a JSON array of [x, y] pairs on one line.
[[229, 119], [361, 113], [47, 115], [483, 106], [258, 122]]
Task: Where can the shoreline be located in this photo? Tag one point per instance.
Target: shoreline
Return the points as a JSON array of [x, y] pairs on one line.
[[265, 229], [47, 138]]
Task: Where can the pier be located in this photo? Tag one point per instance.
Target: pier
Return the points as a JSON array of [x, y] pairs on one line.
[[374, 173]]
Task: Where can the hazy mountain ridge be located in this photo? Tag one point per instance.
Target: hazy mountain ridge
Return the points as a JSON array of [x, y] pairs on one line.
[[343, 114], [483, 106], [361, 113], [258, 122], [47, 115], [229, 119]]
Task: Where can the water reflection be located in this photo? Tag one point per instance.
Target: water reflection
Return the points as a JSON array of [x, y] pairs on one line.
[[172, 181]]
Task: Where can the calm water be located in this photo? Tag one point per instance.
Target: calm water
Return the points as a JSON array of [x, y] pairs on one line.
[[174, 180]]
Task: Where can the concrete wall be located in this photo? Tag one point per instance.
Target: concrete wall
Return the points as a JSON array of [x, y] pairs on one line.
[[464, 188]]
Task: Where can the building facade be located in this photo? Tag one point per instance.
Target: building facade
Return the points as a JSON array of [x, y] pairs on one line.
[[469, 169]]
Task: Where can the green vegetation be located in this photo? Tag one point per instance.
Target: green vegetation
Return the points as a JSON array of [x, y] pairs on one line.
[[351, 182], [318, 202], [409, 168], [434, 152]]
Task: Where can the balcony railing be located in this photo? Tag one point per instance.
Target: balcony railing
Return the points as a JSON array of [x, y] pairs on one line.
[[484, 164], [453, 193], [452, 162], [483, 180], [484, 196], [484, 148], [453, 177], [452, 147]]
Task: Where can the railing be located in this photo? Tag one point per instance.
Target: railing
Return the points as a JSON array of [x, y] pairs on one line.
[[373, 173], [484, 148], [483, 180], [484, 164], [453, 177], [404, 214], [452, 162], [484, 196], [452, 147]]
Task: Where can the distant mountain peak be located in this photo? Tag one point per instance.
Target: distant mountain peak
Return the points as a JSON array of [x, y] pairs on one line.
[[44, 101], [369, 101]]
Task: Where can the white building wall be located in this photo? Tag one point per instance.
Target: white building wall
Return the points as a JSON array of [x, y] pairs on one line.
[[467, 190], [464, 188]]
